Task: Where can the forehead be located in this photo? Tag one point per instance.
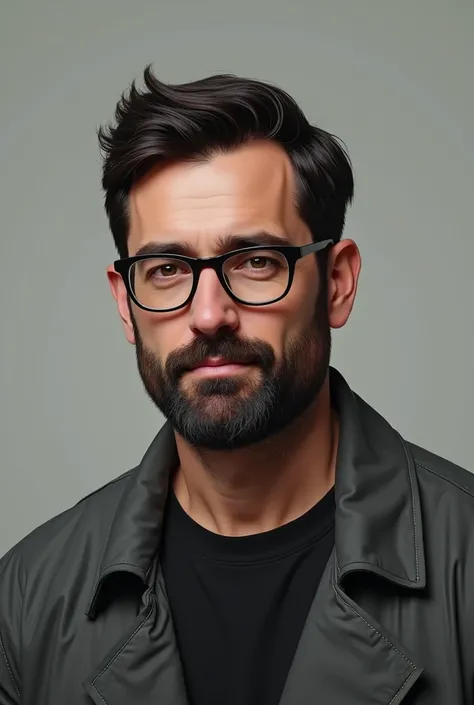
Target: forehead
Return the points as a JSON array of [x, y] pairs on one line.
[[247, 190]]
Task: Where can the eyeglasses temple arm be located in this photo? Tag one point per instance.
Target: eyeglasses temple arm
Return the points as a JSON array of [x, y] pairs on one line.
[[315, 247]]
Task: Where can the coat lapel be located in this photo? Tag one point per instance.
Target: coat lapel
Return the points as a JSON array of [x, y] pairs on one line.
[[345, 657], [145, 666]]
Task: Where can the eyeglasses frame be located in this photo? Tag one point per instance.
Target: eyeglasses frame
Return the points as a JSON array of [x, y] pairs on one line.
[[292, 253]]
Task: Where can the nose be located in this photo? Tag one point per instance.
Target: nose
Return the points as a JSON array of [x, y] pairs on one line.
[[212, 308]]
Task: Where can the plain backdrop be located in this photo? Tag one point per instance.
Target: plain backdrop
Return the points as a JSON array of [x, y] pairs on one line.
[[393, 79]]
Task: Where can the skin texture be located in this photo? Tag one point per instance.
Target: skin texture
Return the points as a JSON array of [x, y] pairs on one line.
[[259, 486]]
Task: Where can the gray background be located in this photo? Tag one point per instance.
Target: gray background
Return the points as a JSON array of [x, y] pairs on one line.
[[393, 79]]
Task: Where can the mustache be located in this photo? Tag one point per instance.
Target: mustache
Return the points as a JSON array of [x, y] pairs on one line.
[[239, 350]]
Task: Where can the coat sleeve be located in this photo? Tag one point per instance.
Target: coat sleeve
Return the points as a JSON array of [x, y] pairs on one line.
[[10, 628]]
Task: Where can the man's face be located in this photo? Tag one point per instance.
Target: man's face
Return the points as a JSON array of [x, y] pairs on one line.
[[278, 353]]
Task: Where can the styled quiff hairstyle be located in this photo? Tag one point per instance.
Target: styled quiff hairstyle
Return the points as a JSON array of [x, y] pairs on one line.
[[193, 121]]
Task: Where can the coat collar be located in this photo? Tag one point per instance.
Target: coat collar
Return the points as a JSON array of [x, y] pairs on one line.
[[378, 514]]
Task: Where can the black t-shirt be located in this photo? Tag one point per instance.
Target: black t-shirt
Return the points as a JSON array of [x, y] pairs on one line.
[[239, 603]]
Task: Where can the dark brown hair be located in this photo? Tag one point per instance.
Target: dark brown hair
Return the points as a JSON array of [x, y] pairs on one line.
[[193, 121]]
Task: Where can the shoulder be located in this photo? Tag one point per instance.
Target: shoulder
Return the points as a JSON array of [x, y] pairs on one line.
[[88, 521], [446, 492], [441, 473], [33, 573]]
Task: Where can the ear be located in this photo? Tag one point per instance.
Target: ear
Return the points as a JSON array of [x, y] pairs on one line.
[[119, 292], [344, 265]]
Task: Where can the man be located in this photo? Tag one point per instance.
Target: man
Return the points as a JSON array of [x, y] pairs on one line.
[[279, 542]]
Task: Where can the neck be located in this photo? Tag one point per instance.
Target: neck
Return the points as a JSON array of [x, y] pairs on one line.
[[256, 489]]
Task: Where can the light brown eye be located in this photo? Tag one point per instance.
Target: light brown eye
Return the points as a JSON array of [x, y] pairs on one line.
[[258, 262]]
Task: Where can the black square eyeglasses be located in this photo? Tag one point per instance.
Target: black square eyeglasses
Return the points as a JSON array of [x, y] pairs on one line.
[[253, 276]]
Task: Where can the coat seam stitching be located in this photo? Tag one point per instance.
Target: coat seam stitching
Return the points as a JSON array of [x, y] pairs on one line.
[[462, 488], [402, 686], [405, 658], [415, 528], [100, 696], [125, 476], [388, 572], [2, 647], [124, 645]]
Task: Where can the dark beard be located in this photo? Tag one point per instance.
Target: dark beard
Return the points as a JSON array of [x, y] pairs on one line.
[[234, 412]]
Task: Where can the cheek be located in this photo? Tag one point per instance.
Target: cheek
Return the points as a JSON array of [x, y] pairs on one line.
[[281, 323], [302, 299], [162, 333], [296, 311]]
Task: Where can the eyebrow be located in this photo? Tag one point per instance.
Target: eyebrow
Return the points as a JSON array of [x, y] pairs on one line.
[[224, 243]]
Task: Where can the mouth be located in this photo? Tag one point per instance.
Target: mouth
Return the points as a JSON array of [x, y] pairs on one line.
[[220, 367]]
